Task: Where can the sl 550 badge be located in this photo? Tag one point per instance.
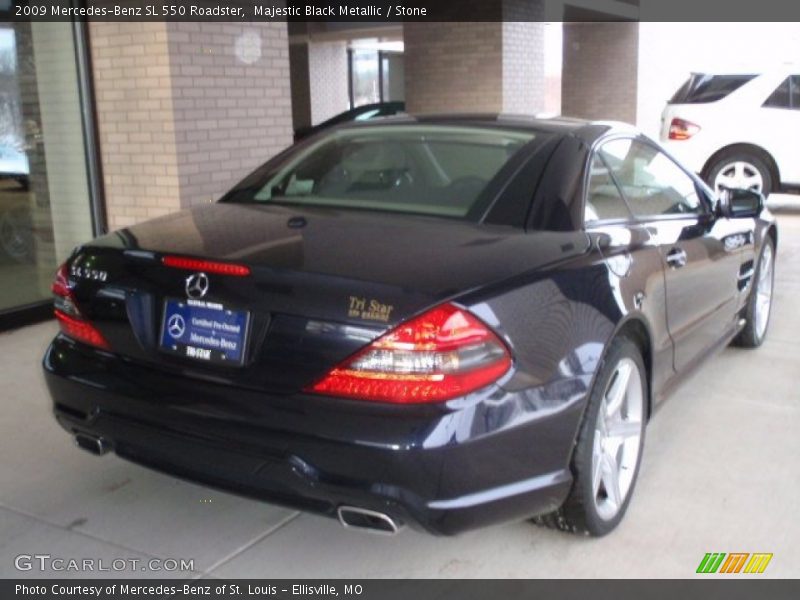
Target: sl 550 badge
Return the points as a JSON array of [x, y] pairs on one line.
[[87, 273], [369, 309]]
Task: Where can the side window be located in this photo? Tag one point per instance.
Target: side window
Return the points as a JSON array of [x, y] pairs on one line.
[[651, 182], [603, 199], [795, 91], [781, 97]]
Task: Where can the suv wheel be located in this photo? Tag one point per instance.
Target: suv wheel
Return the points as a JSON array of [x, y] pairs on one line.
[[740, 169]]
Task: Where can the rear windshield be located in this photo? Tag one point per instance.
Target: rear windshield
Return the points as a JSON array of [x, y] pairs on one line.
[[700, 88], [434, 170]]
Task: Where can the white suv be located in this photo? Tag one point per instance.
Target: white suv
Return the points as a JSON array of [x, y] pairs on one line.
[[737, 130]]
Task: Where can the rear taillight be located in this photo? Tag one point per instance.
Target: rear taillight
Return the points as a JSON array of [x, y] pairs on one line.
[[60, 286], [680, 129], [63, 300], [70, 319], [81, 331], [441, 354]]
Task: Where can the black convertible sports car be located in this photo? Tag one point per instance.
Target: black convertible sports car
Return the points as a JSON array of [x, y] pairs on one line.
[[441, 321]]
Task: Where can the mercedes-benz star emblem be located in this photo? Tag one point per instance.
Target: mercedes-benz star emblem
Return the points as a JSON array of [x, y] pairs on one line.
[[197, 285], [176, 326]]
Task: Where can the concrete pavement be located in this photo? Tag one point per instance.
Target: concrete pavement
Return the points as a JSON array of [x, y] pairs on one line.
[[719, 474]]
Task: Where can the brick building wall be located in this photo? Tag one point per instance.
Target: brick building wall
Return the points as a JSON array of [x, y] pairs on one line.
[[319, 81], [599, 78], [453, 67], [523, 57], [231, 102], [491, 66], [133, 90], [523, 67], [327, 68], [186, 109]]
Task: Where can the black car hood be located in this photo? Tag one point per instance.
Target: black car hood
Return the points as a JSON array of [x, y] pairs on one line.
[[433, 256]]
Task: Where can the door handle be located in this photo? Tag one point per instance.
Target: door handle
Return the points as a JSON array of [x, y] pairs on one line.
[[676, 258]]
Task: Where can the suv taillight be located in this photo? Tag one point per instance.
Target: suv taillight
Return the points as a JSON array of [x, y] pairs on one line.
[[680, 129], [70, 319], [441, 354]]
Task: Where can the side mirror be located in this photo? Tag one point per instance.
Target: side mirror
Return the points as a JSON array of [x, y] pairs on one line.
[[740, 204]]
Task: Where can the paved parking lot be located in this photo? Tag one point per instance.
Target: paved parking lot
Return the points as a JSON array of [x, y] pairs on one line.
[[719, 475]]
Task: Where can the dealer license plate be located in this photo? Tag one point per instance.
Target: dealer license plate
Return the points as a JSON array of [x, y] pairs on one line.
[[204, 331]]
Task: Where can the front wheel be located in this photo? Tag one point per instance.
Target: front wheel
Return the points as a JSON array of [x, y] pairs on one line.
[[608, 451], [759, 304]]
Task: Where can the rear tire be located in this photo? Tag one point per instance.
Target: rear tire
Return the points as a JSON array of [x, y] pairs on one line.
[[759, 304], [608, 440], [740, 169]]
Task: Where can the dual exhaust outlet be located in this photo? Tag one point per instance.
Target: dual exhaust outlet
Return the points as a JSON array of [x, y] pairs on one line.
[[371, 521], [93, 444], [351, 517]]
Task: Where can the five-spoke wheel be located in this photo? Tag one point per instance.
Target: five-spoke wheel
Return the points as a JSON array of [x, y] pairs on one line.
[[759, 304], [608, 451], [740, 169], [617, 439]]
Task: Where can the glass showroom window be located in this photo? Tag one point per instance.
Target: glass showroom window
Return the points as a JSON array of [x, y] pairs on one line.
[[45, 207], [365, 87], [376, 76]]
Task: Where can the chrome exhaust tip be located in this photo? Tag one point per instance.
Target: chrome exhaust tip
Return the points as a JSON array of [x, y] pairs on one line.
[[96, 445], [362, 519]]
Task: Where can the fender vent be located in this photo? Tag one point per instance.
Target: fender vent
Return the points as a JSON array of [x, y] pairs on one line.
[[745, 275]]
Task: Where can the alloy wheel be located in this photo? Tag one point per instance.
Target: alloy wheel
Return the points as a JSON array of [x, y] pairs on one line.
[[617, 439], [764, 291], [739, 174]]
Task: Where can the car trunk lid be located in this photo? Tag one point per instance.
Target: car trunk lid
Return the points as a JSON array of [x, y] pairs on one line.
[[321, 283]]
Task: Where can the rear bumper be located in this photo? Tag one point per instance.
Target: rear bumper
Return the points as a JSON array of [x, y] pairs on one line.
[[500, 457]]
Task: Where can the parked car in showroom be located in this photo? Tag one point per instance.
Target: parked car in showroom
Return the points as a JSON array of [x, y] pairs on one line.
[[447, 322], [738, 130]]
